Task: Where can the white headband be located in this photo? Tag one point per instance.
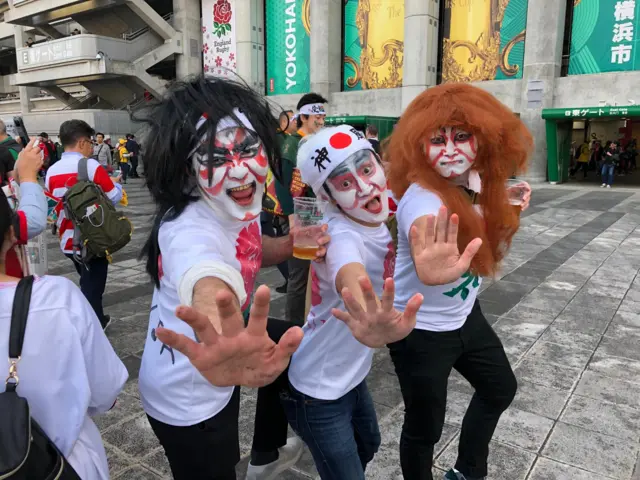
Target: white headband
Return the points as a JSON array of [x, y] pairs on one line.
[[312, 109], [224, 123], [228, 122], [322, 152]]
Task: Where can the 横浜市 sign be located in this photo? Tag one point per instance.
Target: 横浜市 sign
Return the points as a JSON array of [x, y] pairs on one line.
[[590, 112]]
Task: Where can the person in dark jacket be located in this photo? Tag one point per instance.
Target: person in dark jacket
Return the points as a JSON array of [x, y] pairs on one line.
[[611, 159], [372, 135], [134, 149]]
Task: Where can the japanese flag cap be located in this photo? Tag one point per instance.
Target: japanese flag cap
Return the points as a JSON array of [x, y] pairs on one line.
[[319, 154]]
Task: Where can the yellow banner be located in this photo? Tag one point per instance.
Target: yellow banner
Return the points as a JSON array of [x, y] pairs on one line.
[[374, 43], [479, 41]]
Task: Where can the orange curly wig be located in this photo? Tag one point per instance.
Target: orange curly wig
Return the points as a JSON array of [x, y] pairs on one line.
[[504, 146]]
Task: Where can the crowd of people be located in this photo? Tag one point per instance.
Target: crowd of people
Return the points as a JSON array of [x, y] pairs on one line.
[[224, 174], [607, 161]]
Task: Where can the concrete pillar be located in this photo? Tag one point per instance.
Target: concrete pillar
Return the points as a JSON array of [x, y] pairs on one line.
[[26, 93], [542, 64], [420, 66], [250, 42], [326, 47], [186, 20]]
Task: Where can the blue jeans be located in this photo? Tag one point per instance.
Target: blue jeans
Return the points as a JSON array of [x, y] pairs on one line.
[[342, 434], [607, 174]]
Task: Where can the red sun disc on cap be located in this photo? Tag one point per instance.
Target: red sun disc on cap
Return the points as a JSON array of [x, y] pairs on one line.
[[340, 140]]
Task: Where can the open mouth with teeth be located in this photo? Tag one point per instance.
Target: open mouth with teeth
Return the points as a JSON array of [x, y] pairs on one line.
[[243, 195], [451, 162], [374, 205]]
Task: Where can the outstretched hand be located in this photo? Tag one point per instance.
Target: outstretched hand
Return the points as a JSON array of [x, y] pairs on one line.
[[435, 249], [377, 325], [238, 355]]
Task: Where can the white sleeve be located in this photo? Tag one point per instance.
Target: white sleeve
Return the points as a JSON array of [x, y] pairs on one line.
[[191, 253], [344, 248], [416, 202], [106, 374]]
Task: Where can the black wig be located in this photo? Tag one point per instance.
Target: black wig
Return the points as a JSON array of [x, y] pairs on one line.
[[170, 135]]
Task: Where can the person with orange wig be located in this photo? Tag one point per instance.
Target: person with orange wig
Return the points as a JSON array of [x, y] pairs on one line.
[[452, 152]]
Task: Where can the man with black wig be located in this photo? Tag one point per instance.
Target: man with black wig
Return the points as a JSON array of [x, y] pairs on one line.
[[210, 145]]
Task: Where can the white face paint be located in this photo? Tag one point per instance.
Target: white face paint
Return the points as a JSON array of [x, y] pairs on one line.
[[233, 181], [452, 151], [359, 187]]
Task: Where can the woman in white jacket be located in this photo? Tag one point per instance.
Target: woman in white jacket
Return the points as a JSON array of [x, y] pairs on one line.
[[68, 369]]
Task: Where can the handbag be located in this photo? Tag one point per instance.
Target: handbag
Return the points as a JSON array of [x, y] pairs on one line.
[[26, 452]]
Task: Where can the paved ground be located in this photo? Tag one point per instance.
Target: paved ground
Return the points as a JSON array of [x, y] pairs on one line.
[[566, 306]]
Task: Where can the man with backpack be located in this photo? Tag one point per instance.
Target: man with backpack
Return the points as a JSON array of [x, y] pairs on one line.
[[75, 136]]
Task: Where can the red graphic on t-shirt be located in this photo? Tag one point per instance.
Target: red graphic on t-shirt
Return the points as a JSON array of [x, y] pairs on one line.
[[389, 261], [160, 270], [316, 299], [249, 254]]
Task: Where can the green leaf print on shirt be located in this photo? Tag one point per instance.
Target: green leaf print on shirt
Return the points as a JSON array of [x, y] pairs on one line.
[[463, 288]]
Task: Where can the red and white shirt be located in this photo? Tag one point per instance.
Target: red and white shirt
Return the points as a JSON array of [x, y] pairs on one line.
[[63, 175]]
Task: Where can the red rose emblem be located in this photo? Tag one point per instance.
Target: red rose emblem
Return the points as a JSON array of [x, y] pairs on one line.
[[222, 17], [222, 11], [389, 261], [249, 254], [232, 56], [218, 62]]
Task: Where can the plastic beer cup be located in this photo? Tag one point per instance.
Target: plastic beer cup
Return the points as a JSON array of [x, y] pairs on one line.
[[307, 226]]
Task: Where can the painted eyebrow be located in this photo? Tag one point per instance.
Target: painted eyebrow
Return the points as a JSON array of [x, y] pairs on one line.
[[364, 158], [339, 171]]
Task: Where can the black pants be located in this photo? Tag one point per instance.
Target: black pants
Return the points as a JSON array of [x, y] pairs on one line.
[[271, 426], [134, 166], [124, 168], [210, 450], [93, 280], [423, 362], [584, 166], [297, 291]]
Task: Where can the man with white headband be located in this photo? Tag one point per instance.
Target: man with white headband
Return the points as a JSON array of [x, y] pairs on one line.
[[328, 403], [310, 119], [210, 145]]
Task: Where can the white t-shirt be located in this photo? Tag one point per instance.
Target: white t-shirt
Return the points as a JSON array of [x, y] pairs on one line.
[[330, 361], [68, 369], [172, 390], [445, 307]]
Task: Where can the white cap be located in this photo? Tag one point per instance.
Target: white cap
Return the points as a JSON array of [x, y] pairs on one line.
[[319, 154]]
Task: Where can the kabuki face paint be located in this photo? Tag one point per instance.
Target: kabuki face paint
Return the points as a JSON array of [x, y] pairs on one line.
[[358, 185], [232, 182], [452, 151]]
